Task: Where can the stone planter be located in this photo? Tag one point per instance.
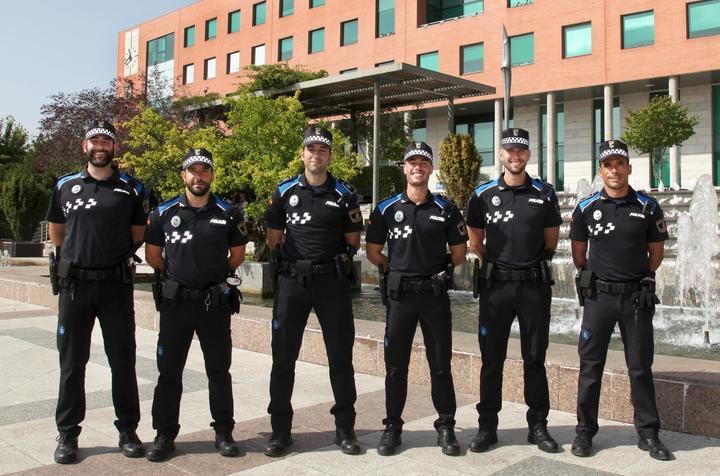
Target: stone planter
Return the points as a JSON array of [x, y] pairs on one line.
[[23, 249], [257, 279]]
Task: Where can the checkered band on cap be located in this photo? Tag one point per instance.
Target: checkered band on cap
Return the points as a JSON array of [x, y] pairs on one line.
[[611, 152], [515, 140], [316, 139], [414, 152], [195, 159], [96, 131]]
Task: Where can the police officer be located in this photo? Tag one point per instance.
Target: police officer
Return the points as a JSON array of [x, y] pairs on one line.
[[314, 222], [616, 282], [204, 240], [513, 223], [97, 217], [418, 227]]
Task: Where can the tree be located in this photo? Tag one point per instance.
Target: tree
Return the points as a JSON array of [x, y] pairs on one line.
[[459, 166], [13, 141], [23, 201], [655, 127], [276, 76], [393, 137]]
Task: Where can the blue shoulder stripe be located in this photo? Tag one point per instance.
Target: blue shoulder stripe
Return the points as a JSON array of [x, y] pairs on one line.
[[537, 184], [540, 186], [440, 202], [222, 204], [164, 206], [487, 185], [587, 201], [341, 188], [67, 177], [287, 185], [138, 186], [387, 202], [643, 199]]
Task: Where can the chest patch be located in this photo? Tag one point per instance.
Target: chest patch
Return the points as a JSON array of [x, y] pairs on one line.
[[79, 203], [294, 201], [496, 201], [330, 203], [76, 189], [175, 237], [399, 232], [121, 190], [175, 221], [436, 218], [399, 216], [217, 221], [637, 215], [600, 229], [537, 201], [597, 215], [496, 216], [295, 218]]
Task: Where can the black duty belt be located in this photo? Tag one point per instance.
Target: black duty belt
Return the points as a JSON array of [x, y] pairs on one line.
[[295, 267], [616, 288], [194, 294], [416, 285], [516, 274], [116, 272]]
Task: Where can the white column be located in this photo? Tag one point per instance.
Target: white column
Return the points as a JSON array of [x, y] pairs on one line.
[[674, 151], [407, 119], [608, 112], [497, 133], [550, 138]]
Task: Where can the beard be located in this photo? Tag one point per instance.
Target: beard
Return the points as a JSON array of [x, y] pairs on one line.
[[107, 157], [198, 192]]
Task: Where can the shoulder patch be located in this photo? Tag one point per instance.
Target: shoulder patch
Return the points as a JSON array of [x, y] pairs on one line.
[[66, 177], [287, 185], [136, 184], [585, 202], [647, 201], [485, 186], [385, 203], [222, 204], [167, 204], [442, 201]]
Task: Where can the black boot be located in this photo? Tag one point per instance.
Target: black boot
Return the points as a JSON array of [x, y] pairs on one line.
[[656, 449], [538, 435], [389, 440], [582, 444], [67, 448], [447, 441], [346, 439], [483, 440], [162, 447], [226, 444], [130, 444], [278, 444]]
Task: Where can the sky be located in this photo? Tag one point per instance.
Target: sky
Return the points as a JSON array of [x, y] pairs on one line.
[[51, 46]]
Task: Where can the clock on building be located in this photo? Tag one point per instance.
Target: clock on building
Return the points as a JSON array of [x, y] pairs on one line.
[[132, 39]]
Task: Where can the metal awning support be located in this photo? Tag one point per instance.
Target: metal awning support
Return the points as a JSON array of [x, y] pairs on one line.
[[383, 88]]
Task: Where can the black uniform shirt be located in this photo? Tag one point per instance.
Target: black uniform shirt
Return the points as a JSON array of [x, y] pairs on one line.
[[97, 217], [514, 219], [416, 234], [619, 232], [196, 240], [315, 219]]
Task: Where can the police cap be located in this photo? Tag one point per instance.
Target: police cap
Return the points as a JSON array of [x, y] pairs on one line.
[[317, 135], [612, 148], [98, 128], [197, 156], [418, 149], [515, 138]]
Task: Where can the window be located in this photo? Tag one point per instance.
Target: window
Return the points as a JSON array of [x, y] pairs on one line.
[[385, 63], [188, 73], [234, 21], [286, 7], [385, 18], [522, 49], [285, 49], [258, 55], [349, 32], [638, 29], [210, 29], [349, 70], [160, 49], [316, 3], [316, 41], [210, 71], [518, 3], [259, 10], [189, 36], [233, 62], [438, 10], [703, 18], [472, 58], [577, 40], [429, 60]]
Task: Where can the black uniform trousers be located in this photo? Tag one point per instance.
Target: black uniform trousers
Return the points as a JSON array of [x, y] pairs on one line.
[[111, 301], [599, 318], [178, 323], [330, 297], [403, 315], [499, 305]]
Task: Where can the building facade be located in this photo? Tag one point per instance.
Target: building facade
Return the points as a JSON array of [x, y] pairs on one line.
[[578, 68]]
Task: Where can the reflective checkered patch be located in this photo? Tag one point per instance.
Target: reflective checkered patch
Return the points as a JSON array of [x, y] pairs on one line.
[[497, 216], [295, 218], [398, 233], [600, 229], [174, 237]]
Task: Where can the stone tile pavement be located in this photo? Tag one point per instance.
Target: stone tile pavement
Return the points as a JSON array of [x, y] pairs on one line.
[[28, 389]]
